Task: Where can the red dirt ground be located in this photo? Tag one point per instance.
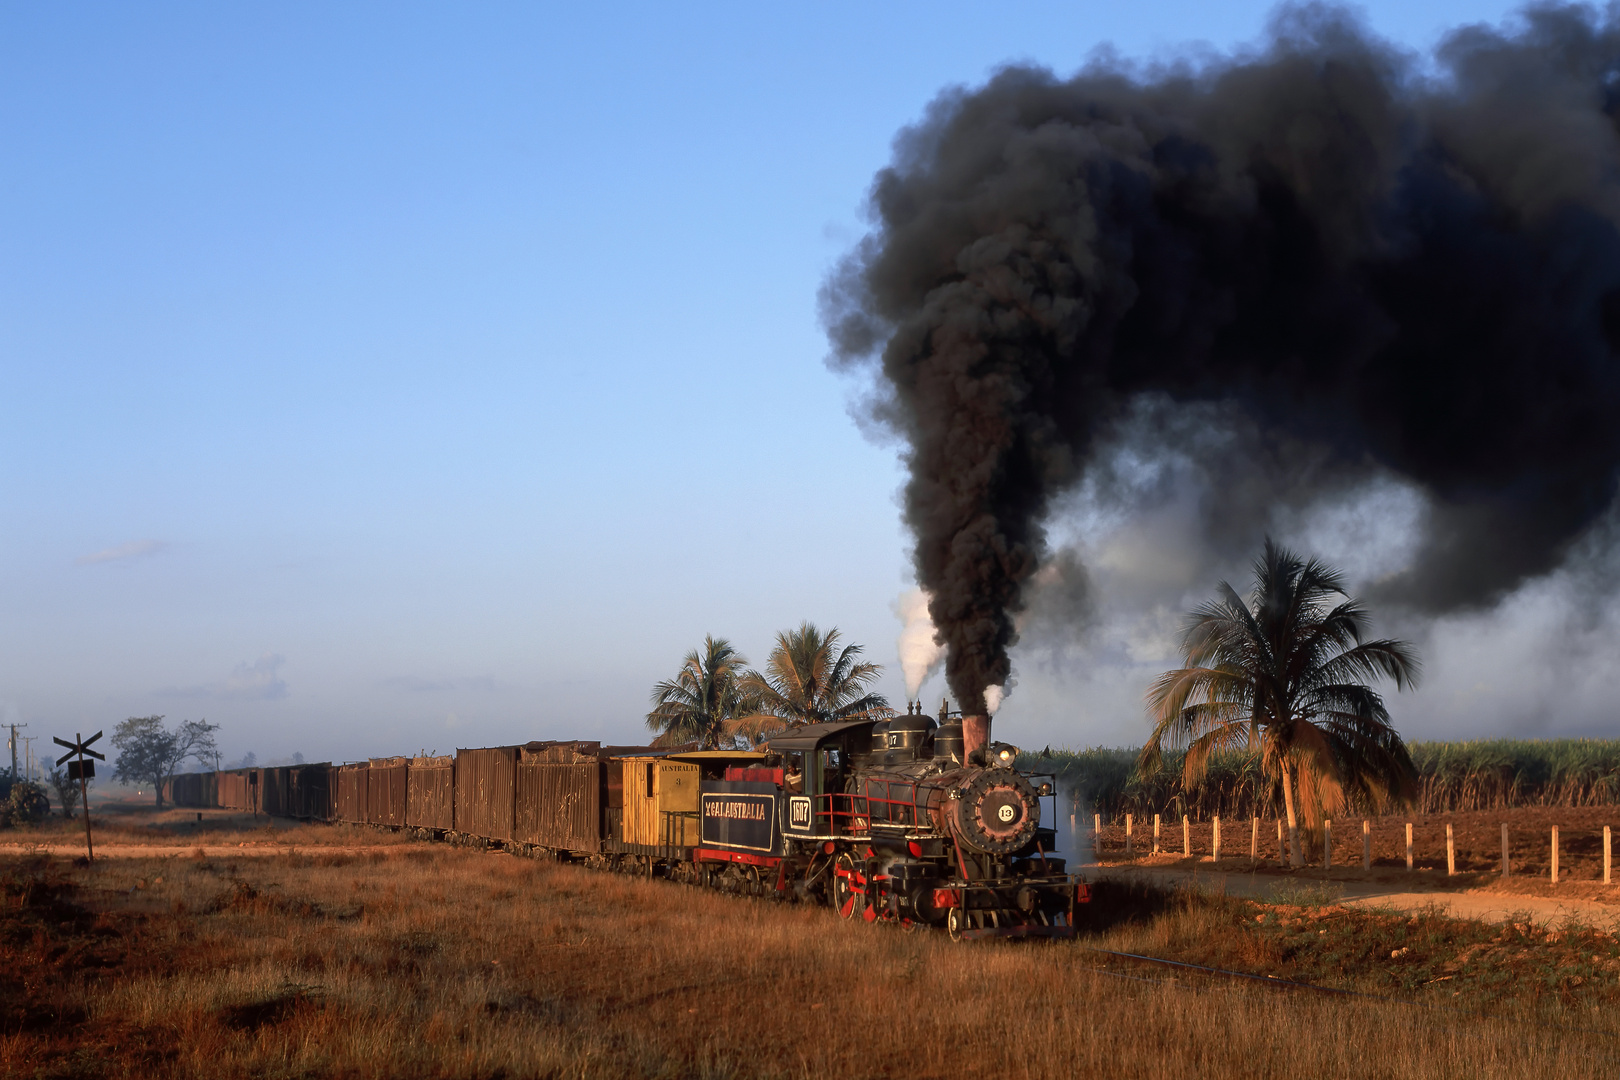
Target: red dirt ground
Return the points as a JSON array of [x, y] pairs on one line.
[[1476, 834]]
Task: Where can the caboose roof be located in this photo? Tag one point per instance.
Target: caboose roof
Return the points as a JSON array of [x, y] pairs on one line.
[[718, 755]]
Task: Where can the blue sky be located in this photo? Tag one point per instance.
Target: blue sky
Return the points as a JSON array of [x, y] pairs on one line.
[[400, 377]]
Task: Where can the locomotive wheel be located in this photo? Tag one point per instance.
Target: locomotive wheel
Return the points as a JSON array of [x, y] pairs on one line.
[[751, 885], [847, 895], [955, 923]]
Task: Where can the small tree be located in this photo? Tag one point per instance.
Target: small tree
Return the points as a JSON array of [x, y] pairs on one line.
[[148, 753], [67, 791]]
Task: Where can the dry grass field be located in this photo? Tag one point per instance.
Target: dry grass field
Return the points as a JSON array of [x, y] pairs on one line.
[[425, 960], [132, 823]]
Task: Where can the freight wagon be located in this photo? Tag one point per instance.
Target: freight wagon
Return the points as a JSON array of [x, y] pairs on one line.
[[295, 791], [430, 795], [386, 789]]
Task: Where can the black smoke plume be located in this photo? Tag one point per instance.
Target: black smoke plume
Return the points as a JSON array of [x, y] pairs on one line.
[[1408, 269]]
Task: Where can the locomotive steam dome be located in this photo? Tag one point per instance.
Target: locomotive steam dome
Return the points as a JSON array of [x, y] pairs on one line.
[[880, 738], [908, 736], [997, 812]]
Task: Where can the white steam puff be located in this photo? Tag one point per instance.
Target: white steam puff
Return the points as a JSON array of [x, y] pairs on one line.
[[920, 654], [992, 699]]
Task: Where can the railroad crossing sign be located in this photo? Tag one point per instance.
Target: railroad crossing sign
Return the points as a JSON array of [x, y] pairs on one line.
[[79, 748], [82, 770]]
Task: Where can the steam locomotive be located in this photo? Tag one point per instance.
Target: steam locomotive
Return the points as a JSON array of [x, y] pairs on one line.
[[909, 819], [912, 820]]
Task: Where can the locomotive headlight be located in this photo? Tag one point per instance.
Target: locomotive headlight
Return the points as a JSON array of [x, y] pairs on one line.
[[1003, 754]]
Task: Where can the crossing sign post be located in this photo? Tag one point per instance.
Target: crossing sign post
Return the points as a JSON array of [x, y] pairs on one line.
[[82, 770]]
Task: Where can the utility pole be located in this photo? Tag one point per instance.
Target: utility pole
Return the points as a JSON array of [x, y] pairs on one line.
[[14, 728], [28, 756]]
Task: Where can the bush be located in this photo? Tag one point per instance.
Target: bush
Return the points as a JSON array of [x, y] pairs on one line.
[[25, 804]]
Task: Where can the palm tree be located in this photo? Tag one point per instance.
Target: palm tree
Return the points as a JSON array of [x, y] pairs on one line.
[[704, 702], [1285, 675], [810, 680]]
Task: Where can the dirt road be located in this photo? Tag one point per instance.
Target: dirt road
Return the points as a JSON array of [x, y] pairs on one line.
[[1465, 904]]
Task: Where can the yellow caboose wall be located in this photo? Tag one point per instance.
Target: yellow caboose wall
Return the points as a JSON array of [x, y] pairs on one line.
[[658, 794]]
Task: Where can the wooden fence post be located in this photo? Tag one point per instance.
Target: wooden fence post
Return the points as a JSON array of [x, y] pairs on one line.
[[1130, 846], [1327, 843], [1254, 842], [1605, 854], [1409, 845], [1155, 834], [1451, 854], [1186, 837], [1215, 847], [1096, 836], [1366, 844], [1507, 865], [1555, 855]]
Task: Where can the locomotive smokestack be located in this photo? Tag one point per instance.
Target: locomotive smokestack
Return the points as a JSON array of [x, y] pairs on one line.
[[975, 738]]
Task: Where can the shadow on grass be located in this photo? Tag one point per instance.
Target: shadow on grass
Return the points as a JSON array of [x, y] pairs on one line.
[[1116, 904], [269, 1010]]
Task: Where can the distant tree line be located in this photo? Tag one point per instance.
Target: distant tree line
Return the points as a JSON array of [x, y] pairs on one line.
[[1487, 774]]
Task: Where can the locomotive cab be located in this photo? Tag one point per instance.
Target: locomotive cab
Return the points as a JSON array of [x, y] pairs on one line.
[[827, 757]]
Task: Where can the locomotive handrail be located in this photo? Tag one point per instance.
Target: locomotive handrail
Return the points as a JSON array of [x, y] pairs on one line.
[[890, 803], [857, 818]]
